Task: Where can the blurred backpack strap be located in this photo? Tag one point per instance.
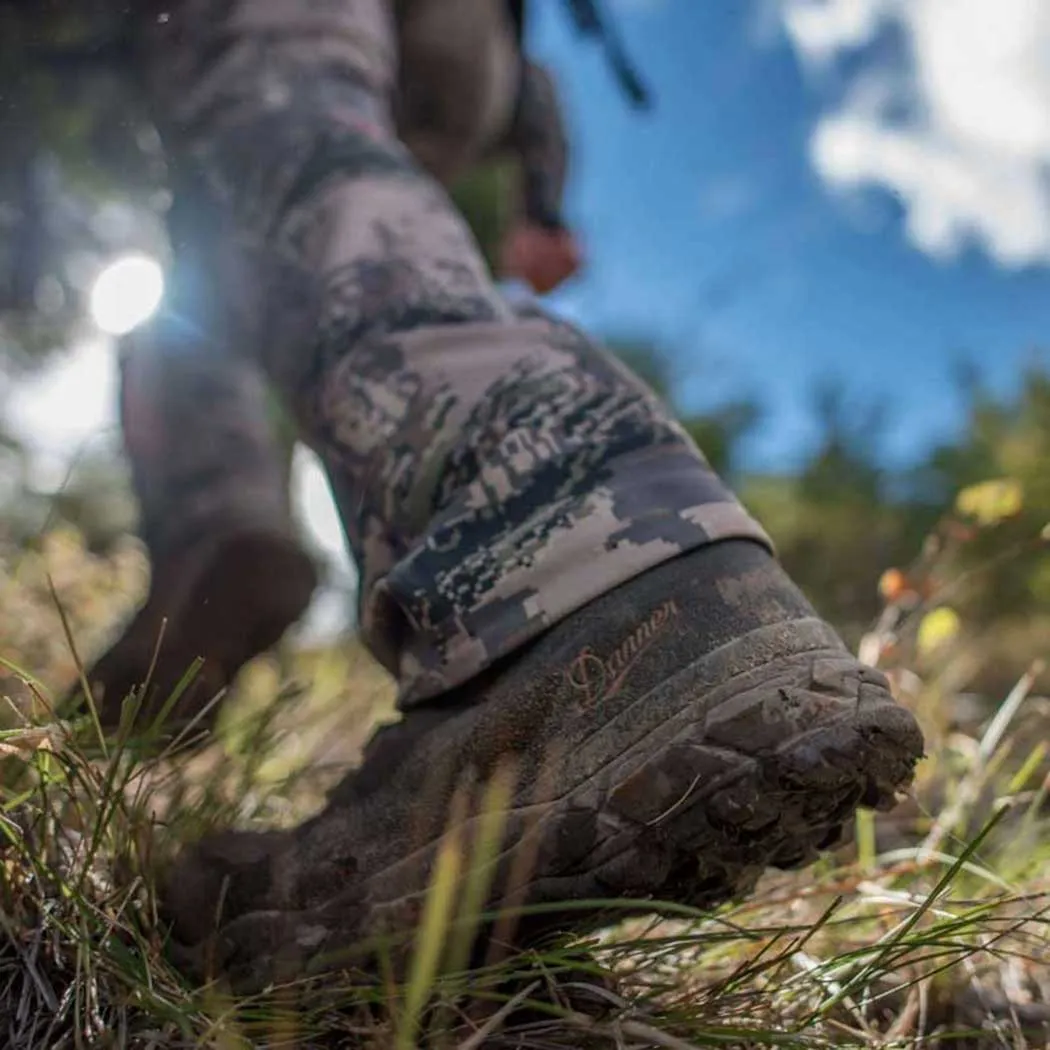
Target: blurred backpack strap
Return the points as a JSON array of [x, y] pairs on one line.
[[591, 21], [517, 16]]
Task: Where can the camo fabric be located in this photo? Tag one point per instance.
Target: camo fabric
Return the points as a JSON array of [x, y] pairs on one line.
[[174, 396], [494, 469]]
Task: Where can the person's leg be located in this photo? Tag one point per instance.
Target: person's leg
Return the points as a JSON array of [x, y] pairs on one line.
[[549, 566], [493, 473], [211, 475], [228, 575]]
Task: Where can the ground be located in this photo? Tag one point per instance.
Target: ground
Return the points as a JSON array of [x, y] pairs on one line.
[[931, 927]]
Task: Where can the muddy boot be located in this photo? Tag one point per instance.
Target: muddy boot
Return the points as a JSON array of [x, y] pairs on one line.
[[670, 740], [223, 602], [228, 574]]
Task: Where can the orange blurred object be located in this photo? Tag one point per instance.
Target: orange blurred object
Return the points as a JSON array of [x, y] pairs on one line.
[[543, 258], [892, 585]]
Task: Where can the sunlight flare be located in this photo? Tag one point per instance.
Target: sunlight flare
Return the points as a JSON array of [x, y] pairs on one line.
[[126, 293]]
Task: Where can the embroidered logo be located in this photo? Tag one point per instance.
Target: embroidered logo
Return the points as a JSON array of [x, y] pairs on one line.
[[596, 679]]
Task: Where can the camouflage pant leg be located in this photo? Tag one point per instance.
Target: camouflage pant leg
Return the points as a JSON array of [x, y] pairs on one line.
[[493, 471], [198, 421], [200, 430]]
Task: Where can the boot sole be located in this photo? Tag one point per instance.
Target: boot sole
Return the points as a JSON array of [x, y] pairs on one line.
[[753, 757]]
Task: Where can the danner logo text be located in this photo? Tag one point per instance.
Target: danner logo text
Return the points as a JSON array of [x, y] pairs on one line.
[[596, 679]]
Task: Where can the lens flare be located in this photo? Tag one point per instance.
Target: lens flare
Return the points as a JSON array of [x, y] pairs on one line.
[[126, 293]]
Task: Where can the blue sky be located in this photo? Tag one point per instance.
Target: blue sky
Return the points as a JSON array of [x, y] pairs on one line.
[[821, 198]]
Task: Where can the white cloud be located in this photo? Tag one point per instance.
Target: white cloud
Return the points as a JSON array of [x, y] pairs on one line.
[[958, 128], [820, 30]]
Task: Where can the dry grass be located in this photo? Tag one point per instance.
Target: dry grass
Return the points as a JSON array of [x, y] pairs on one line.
[[932, 928]]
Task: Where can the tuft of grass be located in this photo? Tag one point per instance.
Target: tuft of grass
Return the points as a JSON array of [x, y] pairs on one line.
[[932, 929]]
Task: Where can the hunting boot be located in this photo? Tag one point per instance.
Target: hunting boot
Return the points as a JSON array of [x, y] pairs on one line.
[[228, 574], [670, 740]]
